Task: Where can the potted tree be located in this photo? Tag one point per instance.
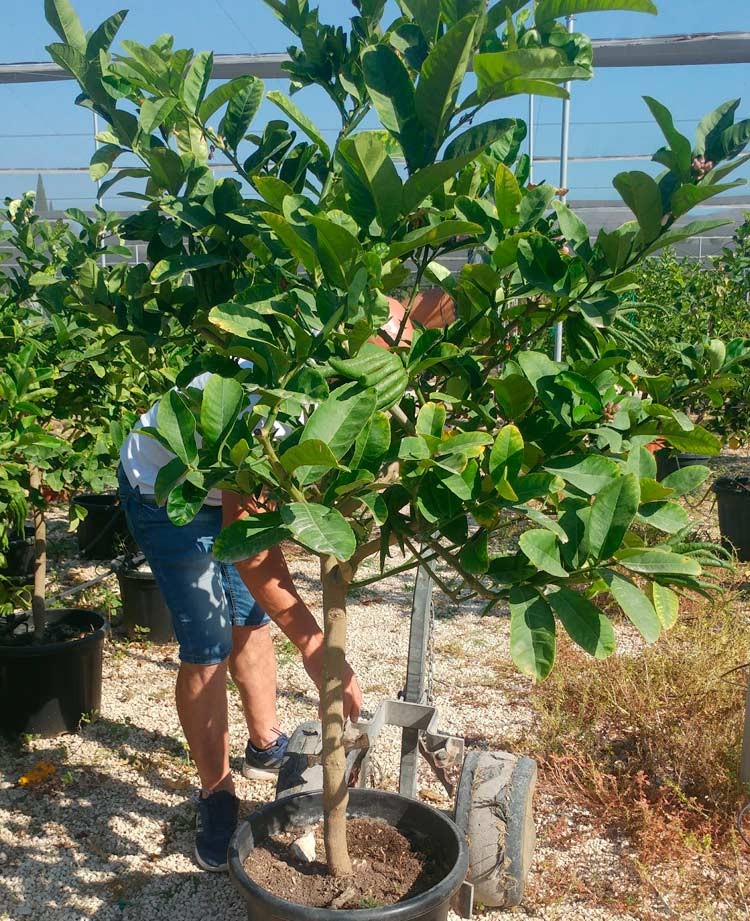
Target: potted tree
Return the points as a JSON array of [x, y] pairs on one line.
[[439, 442], [54, 440]]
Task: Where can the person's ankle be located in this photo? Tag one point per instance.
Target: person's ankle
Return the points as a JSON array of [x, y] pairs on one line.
[[263, 741], [226, 784]]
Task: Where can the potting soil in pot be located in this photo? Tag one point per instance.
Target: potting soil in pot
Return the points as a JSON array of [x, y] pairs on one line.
[[388, 868]]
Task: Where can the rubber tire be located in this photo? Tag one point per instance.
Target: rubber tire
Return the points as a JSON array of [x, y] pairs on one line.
[[494, 809]]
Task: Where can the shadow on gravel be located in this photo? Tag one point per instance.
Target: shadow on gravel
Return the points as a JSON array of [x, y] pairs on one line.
[[84, 834]]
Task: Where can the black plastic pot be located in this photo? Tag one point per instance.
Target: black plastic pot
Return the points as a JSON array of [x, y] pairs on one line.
[[20, 556], [733, 500], [46, 689], [144, 611], [667, 463], [103, 532], [301, 809]]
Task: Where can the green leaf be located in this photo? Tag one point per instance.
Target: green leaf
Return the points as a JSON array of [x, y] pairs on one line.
[[507, 197], [63, 19], [250, 536], [589, 473], [167, 478], [506, 456], [320, 529], [480, 137], [370, 179], [635, 605], [184, 502], [299, 118], [426, 180], [103, 36], [103, 160], [713, 126], [658, 562], [177, 425], [167, 269], [678, 234], [697, 441], [431, 420], [641, 194], [440, 80], [300, 249], [392, 93], [223, 398], [666, 604], [167, 170], [542, 548], [308, 453], [474, 556], [195, 83], [514, 394], [548, 10], [612, 513], [532, 632], [433, 236], [573, 228], [686, 479], [154, 112], [664, 516], [678, 143], [584, 622], [339, 419], [372, 443], [688, 196], [223, 94], [240, 112]]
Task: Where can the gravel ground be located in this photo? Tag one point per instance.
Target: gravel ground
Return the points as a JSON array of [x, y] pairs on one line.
[[109, 835]]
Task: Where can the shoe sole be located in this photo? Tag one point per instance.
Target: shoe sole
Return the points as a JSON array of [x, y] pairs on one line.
[[210, 868], [254, 773]]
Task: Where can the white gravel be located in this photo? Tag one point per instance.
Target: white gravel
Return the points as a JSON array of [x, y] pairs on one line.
[[110, 836]]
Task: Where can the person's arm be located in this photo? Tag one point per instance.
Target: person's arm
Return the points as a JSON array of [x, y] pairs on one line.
[[269, 581]]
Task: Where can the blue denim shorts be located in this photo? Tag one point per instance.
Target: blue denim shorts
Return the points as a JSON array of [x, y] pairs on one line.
[[206, 598]]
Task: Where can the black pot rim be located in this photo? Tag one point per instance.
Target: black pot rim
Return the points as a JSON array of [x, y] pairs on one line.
[[400, 911], [732, 485], [137, 575], [48, 649], [97, 500]]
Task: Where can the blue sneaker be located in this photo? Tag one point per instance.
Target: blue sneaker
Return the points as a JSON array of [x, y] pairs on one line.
[[264, 763], [214, 827]]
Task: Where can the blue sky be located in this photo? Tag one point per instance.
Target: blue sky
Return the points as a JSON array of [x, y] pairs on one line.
[[42, 128]]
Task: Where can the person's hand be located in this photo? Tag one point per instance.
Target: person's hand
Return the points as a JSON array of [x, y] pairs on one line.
[[352, 692]]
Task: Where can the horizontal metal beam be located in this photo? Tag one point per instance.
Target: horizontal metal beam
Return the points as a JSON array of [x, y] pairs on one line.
[[657, 51]]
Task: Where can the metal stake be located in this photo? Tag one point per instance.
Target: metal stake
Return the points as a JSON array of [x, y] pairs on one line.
[[564, 152], [415, 689]]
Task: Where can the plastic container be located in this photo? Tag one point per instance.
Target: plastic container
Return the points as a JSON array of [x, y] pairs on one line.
[[103, 532], [302, 809], [667, 463], [733, 501], [144, 611], [20, 556], [46, 689]]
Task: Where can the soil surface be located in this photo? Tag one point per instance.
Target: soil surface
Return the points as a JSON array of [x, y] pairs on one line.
[[388, 868]]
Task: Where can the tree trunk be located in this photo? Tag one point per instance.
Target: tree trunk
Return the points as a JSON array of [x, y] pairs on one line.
[[335, 792], [40, 560]]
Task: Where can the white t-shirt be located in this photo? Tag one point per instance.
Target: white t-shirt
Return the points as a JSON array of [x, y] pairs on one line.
[[142, 457]]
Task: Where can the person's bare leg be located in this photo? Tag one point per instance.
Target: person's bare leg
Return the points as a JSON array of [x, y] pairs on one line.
[[201, 697], [252, 664]]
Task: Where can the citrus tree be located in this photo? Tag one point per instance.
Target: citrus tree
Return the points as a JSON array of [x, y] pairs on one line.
[[432, 444], [71, 379]]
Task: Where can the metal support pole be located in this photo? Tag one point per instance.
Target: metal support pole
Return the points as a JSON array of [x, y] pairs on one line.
[[745, 757], [415, 690], [532, 138], [564, 154], [98, 181]]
